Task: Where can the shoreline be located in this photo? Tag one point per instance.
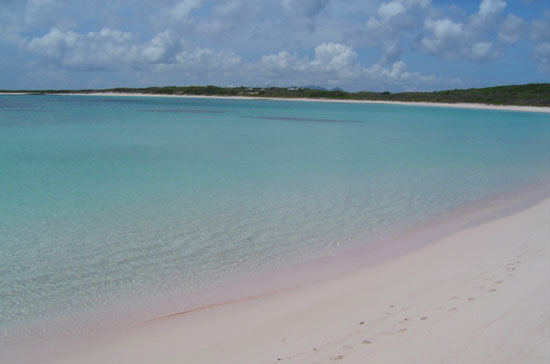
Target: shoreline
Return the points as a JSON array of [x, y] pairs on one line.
[[539, 109], [409, 242], [477, 295]]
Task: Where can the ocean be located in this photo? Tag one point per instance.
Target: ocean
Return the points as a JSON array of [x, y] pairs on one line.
[[121, 208]]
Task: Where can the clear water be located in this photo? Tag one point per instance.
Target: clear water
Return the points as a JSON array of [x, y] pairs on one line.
[[111, 200]]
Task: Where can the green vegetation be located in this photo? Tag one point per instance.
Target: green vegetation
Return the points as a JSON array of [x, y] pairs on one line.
[[534, 94]]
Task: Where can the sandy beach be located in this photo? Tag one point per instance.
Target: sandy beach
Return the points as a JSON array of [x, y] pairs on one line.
[[479, 295], [542, 109]]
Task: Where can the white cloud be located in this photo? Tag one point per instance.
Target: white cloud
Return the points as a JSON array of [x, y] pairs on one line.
[[397, 22], [387, 10], [416, 24], [182, 10], [510, 29], [280, 61], [334, 56], [491, 7], [337, 65], [332, 61], [112, 50], [481, 50], [444, 29], [541, 54], [455, 40], [445, 38], [302, 41], [540, 28], [161, 49], [540, 34], [397, 77], [205, 60], [94, 50]]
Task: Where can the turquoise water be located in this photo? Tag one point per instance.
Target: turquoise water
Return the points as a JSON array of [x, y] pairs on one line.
[[110, 201]]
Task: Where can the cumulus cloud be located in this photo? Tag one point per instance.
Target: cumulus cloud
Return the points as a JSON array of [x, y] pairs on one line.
[[397, 74], [278, 62], [400, 25], [540, 34], [540, 28], [113, 49], [94, 50], [352, 43], [334, 56], [396, 21], [489, 8], [452, 40], [472, 38], [181, 11], [332, 61], [510, 29], [391, 9], [541, 53], [337, 65]]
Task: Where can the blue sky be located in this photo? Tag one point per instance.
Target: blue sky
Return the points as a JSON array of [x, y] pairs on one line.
[[353, 44]]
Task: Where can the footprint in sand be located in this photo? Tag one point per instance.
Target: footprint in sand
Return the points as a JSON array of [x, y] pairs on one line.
[[393, 332]]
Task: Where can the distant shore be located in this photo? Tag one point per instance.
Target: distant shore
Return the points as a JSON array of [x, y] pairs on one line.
[[540, 109]]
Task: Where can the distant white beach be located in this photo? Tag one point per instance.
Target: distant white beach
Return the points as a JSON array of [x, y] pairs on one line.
[[541, 109]]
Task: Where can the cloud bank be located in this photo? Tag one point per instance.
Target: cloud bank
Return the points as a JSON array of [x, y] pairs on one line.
[[374, 45]]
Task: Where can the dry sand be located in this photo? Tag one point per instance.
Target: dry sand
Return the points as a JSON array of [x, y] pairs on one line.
[[480, 295]]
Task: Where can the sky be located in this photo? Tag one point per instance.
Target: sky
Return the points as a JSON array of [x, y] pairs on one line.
[[371, 45]]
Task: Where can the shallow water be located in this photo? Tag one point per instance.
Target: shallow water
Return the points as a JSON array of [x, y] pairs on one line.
[[109, 202]]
